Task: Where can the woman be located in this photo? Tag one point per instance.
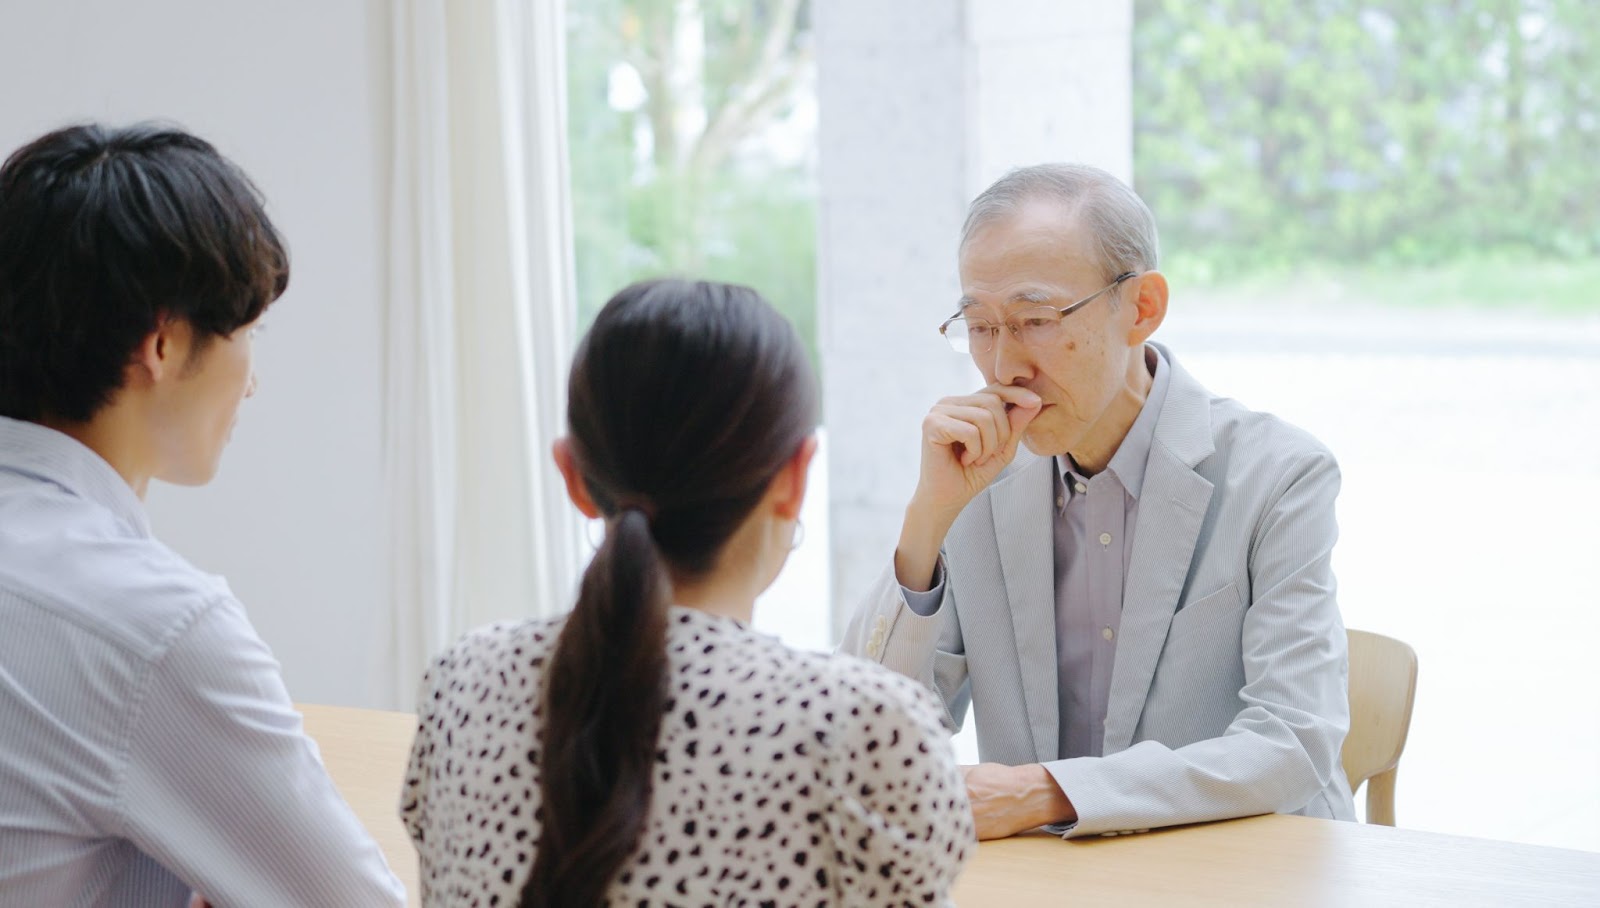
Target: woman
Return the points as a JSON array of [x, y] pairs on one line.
[[650, 747]]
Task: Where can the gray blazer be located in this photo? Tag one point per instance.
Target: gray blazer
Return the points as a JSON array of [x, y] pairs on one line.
[[1228, 694]]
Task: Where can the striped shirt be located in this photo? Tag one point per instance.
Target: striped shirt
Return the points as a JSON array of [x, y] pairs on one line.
[[147, 744]]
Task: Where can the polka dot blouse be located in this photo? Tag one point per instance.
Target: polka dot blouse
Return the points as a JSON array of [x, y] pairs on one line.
[[783, 778]]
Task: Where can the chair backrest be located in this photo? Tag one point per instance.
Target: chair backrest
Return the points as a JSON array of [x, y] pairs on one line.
[[1383, 684]]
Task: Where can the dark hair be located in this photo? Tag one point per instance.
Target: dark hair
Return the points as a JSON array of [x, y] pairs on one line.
[[103, 234], [685, 400]]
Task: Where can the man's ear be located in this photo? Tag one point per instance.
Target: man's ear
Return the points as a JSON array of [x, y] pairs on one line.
[[577, 489], [788, 489], [163, 353], [1149, 306]]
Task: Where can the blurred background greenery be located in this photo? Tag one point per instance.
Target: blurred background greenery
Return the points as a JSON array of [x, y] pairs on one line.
[[1408, 153], [693, 147], [1321, 153]]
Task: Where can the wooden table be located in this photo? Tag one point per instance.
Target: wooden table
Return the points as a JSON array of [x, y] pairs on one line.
[[1270, 860], [365, 751], [1276, 860]]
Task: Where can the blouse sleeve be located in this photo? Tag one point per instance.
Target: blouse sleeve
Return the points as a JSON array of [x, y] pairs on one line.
[[901, 823], [422, 769]]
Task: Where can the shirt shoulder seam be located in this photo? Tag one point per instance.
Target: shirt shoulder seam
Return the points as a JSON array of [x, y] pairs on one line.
[[139, 699]]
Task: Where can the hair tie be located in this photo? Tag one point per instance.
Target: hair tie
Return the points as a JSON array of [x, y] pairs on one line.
[[644, 508]]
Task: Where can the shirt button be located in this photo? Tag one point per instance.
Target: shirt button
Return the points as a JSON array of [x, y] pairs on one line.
[[1080, 488], [1061, 501], [1105, 538], [1107, 633]]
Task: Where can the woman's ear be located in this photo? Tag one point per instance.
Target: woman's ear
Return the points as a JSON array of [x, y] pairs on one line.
[[577, 489], [788, 490]]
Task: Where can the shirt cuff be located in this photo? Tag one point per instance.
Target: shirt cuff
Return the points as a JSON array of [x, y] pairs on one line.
[[926, 603]]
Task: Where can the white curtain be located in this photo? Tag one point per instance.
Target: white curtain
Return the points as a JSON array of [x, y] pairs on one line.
[[480, 321]]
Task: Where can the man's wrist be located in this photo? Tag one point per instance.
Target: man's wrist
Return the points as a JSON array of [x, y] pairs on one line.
[[1049, 804], [916, 556]]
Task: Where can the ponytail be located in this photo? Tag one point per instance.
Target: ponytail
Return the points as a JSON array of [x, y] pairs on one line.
[[685, 399], [603, 701]]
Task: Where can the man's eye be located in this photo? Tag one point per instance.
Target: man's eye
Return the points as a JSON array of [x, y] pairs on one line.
[[1038, 322]]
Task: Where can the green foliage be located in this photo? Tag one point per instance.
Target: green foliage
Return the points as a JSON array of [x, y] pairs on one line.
[[651, 197], [1387, 133], [1558, 287]]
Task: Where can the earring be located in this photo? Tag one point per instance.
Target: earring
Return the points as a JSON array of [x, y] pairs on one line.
[[588, 532], [799, 535]]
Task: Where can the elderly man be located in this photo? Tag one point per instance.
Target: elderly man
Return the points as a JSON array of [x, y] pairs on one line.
[[1141, 611]]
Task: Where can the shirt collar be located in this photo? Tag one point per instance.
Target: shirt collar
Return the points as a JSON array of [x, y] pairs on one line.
[[33, 450], [1128, 463]]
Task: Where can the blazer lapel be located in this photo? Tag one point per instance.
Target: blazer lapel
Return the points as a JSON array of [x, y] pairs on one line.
[[1021, 507], [1172, 509]]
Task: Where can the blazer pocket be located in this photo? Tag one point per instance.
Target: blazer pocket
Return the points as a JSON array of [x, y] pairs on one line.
[[1208, 611], [1193, 694]]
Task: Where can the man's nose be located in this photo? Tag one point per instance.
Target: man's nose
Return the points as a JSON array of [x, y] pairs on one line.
[[1011, 362]]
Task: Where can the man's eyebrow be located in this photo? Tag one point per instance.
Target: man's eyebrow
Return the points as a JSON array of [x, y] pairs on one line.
[[1036, 297]]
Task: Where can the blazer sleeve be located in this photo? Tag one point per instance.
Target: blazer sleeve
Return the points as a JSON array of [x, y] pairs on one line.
[[926, 648], [1281, 751]]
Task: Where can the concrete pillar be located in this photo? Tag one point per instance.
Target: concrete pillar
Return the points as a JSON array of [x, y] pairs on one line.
[[922, 104]]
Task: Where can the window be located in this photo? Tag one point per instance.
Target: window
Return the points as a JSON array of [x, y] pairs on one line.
[[1381, 221], [692, 128]]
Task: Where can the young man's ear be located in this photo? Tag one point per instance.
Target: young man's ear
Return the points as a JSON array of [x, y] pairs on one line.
[[162, 352], [789, 486], [577, 489], [148, 364]]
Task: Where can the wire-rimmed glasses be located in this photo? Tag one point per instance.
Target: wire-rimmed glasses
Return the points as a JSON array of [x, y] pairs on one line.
[[1036, 327]]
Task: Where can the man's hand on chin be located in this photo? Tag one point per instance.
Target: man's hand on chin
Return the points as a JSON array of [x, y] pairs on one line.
[[1007, 800]]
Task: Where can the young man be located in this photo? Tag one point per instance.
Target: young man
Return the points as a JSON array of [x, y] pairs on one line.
[[147, 745], [1140, 608]]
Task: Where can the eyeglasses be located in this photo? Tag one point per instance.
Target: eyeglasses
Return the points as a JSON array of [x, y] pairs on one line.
[[1037, 328]]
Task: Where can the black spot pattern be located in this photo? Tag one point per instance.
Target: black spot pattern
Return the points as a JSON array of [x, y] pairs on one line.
[[785, 778]]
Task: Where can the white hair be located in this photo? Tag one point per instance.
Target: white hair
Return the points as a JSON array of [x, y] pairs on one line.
[[1119, 223]]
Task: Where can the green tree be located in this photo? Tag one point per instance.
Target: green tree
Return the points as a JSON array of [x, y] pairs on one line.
[[670, 184], [1368, 131]]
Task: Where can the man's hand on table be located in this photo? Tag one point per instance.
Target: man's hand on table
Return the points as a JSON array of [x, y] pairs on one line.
[[1007, 800]]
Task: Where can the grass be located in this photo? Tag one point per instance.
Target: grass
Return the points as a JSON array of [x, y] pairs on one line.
[[1551, 287]]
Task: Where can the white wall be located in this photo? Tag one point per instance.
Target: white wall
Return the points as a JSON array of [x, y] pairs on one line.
[[295, 92]]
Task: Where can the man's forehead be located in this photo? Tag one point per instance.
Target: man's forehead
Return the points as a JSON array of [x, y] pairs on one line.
[[1015, 250], [1034, 255]]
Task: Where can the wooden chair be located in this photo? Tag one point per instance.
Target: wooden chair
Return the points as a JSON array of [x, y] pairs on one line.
[[1383, 684]]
